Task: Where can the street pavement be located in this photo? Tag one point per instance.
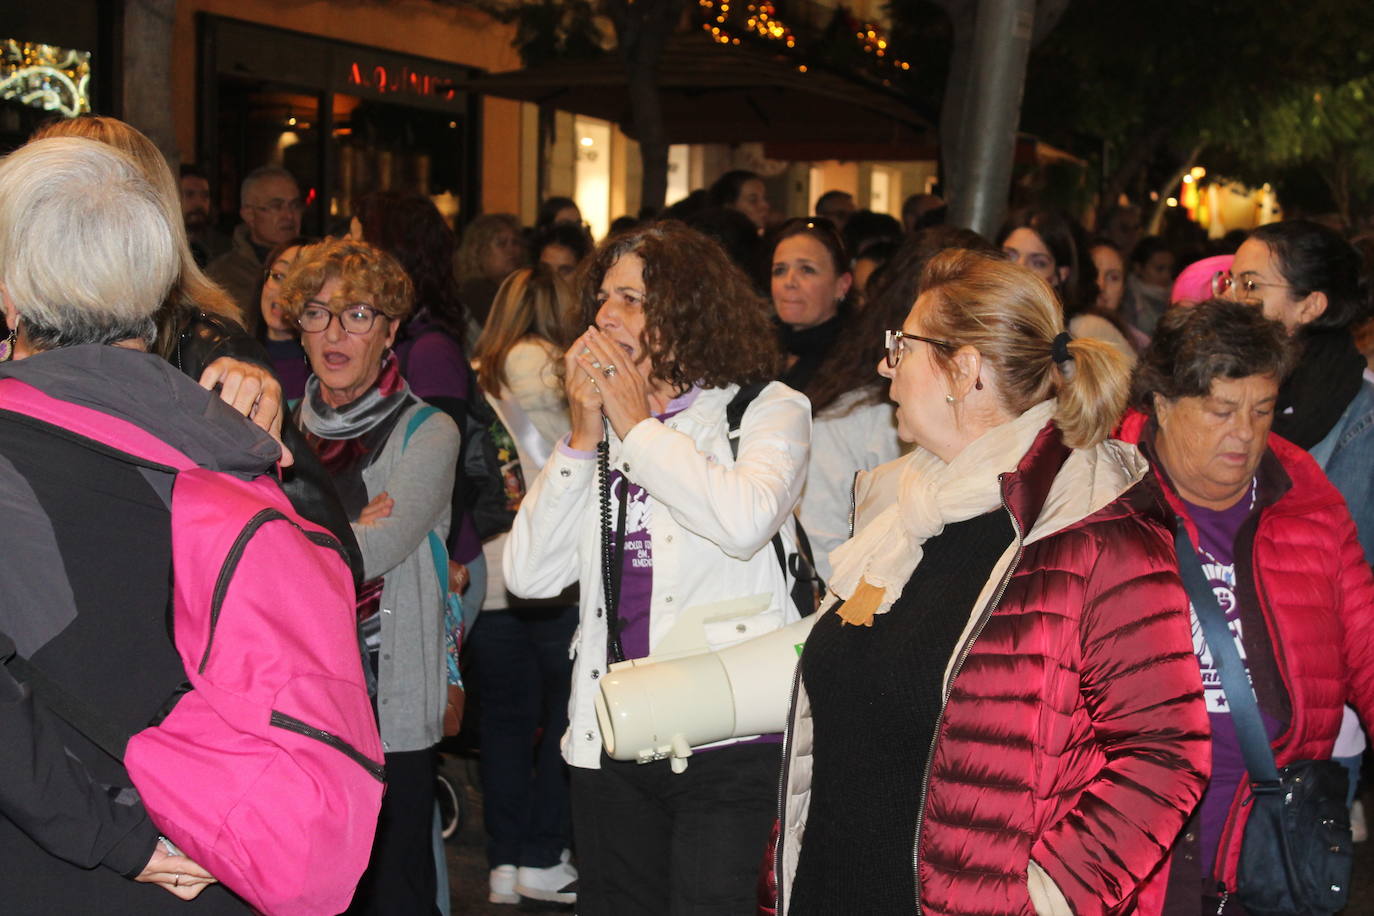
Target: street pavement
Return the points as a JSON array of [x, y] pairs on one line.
[[467, 862]]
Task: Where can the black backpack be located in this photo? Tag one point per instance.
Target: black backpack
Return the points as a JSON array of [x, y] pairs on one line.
[[488, 484]]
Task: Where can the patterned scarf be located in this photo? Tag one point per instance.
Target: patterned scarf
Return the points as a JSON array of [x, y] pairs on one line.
[[336, 433]]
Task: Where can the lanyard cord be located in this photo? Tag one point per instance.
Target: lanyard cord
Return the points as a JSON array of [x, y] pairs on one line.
[[612, 551]]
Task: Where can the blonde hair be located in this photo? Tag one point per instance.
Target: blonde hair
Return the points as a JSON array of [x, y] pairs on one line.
[[1011, 317], [86, 250], [364, 269], [193, 288], [532, 302]]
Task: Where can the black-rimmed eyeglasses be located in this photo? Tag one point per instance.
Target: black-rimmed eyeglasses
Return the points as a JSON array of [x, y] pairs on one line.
[[895, 350], [356, 319]]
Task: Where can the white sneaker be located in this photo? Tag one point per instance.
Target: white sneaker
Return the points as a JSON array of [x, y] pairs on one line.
[[503, 885], [556, 884]]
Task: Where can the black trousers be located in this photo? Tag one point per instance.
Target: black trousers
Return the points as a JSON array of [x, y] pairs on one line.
[[400, 878], [523, 669], [688, 844]]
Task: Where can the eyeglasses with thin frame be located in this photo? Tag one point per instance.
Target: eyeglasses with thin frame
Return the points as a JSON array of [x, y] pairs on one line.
[[1245, 288], [355, 319], [895, 350]]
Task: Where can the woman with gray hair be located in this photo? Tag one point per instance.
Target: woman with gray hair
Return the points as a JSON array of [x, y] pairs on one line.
[[87, 255], [1274, 541]]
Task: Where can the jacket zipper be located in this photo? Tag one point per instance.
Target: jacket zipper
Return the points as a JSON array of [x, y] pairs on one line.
[[782, 782], [231, 562], [374, 769], [953, 674]]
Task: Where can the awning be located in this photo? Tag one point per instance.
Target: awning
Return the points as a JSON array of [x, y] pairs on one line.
[[719, 93]]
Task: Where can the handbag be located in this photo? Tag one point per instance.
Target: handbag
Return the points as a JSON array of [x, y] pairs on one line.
[[1296, 853]]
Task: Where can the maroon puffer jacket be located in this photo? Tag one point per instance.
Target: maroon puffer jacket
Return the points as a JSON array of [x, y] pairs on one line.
[[1317, 595], [1075, 734]]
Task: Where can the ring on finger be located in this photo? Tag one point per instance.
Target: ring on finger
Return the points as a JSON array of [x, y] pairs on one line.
[[177, 882], [609, 371], [596, 364]]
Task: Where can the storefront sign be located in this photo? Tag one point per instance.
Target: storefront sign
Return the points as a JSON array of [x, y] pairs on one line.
[[400, 80]]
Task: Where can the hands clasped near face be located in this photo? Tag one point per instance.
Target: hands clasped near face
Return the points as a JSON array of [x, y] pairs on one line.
[[603, 380]]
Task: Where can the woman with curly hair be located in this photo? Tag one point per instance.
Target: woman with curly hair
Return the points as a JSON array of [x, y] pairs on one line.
[[675, 332], [392, 458], [431, 346]]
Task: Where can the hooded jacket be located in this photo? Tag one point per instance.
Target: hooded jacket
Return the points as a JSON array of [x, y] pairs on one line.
[[86, 597], [1315, 591], [1073, 737]]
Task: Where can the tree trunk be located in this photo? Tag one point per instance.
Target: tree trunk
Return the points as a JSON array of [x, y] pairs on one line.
[[954, 113], [147, 78], [643, 28], [962, 16], [1121, 177], [1157, 219], [1337, 178]]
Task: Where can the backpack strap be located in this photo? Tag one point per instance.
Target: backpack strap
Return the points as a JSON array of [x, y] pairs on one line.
[[70, 709], [417, 419], [438, 550], [803, 568]]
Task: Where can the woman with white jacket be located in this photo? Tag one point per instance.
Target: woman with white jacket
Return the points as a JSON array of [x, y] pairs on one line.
[[646, 502]]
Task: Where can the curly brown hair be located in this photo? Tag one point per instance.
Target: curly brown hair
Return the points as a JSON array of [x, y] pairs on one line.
[[704, 324], [366, 271]]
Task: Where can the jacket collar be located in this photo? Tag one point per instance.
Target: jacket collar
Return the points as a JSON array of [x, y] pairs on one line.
[[1055, 487], [1272, 481], [148, 392]]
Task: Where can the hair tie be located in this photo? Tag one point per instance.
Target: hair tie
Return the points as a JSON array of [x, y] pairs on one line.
[[1059, 349]]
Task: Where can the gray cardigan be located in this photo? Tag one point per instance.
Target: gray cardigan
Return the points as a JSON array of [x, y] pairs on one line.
[[412, 678]]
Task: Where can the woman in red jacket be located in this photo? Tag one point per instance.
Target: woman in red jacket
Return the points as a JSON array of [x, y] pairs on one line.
[[1277, 542], [999, 713]]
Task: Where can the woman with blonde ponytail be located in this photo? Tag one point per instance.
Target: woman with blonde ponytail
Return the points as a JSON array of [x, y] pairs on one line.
[[1001, 681]]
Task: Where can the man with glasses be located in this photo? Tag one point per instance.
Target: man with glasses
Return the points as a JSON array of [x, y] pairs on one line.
[[270, 206]]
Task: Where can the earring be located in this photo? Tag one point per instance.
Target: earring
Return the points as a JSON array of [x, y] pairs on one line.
[[7, 347], [949, 399], [979, 383]]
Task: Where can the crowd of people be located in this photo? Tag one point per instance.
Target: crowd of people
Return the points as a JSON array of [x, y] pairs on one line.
[[1015, 487]]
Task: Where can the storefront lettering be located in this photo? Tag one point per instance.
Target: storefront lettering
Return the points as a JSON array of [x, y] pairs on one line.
[[400, 79]]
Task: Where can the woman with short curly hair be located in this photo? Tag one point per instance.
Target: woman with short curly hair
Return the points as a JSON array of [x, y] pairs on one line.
[[675, 331], [391, 457]]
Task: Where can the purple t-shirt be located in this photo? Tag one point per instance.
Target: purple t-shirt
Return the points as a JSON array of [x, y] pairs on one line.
[[637, 566], [288, 361], [1217, 531]]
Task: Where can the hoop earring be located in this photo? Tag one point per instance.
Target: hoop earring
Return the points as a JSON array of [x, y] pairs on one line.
[[7, 346]]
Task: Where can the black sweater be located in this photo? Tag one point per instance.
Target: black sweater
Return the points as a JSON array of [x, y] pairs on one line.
[[876, 695]]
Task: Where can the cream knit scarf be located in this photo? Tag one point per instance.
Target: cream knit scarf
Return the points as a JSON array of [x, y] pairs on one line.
[[872, 568]]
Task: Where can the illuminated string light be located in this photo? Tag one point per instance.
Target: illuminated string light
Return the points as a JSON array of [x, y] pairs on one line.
[[730, 20], [45, 77]]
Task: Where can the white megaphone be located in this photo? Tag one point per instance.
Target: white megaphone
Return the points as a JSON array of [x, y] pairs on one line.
[[686, 695]]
